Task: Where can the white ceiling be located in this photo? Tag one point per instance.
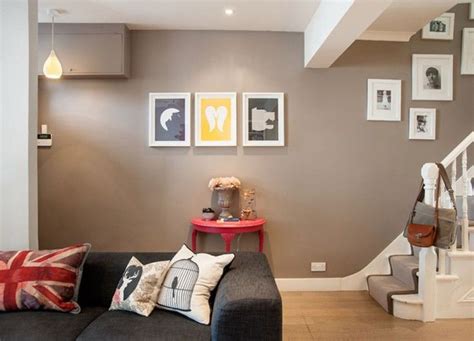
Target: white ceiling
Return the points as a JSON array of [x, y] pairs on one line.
[[249, 15]]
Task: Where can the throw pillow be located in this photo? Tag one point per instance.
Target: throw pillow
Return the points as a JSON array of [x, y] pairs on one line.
[[138, 288], [36, 280], [188, 284]]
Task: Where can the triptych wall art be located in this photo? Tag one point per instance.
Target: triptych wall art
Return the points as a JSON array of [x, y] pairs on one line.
[[215, 119]]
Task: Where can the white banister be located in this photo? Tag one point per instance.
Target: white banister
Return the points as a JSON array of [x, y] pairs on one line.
[[453, 184], [465, 219], [458, 150], [428, 256]]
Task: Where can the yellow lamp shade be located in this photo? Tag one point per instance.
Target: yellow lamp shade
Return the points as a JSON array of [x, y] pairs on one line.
[[52, 66]]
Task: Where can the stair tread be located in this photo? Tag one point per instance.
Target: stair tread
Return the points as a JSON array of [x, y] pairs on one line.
[[381, 286]]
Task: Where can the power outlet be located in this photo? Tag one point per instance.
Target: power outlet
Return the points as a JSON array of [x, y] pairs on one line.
[[318, 266]]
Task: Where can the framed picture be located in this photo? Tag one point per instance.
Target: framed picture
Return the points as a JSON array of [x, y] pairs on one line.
[[467, 59], [263, 119], [422, 124], [441, 28], [216, 119], [432, 77], [384, 99], [169, 120]]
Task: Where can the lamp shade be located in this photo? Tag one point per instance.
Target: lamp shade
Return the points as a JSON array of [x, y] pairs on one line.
[[52, 66]]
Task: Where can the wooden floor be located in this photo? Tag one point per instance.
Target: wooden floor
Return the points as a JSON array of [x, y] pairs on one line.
[[353, 315]]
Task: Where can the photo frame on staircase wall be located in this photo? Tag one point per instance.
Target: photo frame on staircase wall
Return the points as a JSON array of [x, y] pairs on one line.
[[215, 119], [263, 119], [384, 99]]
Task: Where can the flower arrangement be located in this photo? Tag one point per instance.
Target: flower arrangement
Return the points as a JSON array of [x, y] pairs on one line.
[[224, 183]]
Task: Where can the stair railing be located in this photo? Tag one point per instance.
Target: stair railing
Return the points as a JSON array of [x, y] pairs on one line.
[[429, 259]]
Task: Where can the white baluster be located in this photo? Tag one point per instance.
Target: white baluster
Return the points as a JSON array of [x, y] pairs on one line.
[[465, 220], [429, 172], [428, 256], [453, 184]]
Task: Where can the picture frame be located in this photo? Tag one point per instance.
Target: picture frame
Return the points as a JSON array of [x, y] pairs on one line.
[[440, 28], [384, 99], [169, 119], [263, 119], [471, 10], [432, 77], [467, 56], [422, 124], [215, 119]]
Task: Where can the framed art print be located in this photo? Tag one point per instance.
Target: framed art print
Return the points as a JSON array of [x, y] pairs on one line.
[[169, 120], [467, 58], [422, 124], [263, 119], [432, 77], [440, 28], [215, 119], [384, 99]]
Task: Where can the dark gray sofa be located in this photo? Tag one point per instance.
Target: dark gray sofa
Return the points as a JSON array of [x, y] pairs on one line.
[[246, 306]]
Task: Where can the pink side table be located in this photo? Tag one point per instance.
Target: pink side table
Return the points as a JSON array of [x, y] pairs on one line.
[[228, 230]]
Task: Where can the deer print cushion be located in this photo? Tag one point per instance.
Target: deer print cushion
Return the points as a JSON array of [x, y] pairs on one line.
[[189, 281], [138, 288]]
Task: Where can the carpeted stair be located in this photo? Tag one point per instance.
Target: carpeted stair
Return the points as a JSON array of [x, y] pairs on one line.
[[402, 280]]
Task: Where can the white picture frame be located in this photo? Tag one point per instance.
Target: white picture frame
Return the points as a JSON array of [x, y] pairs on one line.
[[471, 10], [467, 57], [174, 110], [422, 124], [384, 99], [270, 131], [432, 77], [440, 28], [215, 115]]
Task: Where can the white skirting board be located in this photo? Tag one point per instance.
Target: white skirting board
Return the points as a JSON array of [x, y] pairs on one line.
[[354, 282]]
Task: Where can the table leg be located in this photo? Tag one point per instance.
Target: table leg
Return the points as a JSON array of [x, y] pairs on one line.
[[228, 237], [194, 240], [261, 239]]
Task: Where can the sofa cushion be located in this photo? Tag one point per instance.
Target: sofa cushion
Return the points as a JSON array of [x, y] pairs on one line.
[[139, 286], [45, 325], [162, 325], [41, 280], [189, 282]]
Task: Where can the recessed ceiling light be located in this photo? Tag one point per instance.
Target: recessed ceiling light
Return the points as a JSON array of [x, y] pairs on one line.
[[229, 11]]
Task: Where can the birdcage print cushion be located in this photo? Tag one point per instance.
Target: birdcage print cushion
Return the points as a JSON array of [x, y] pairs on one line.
[[189, 281], [139, 286], [178, 286]]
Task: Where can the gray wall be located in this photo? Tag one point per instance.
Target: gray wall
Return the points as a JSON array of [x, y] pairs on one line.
[[338, 192]]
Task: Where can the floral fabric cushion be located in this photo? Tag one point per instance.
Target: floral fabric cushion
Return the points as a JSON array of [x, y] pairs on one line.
[[37, 280], [189, 281], [139, 286]]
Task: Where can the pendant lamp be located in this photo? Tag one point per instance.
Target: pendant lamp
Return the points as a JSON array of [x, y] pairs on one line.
[[52, 66]]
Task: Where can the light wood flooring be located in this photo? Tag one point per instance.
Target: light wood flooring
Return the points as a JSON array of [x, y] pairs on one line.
[[353, 315]]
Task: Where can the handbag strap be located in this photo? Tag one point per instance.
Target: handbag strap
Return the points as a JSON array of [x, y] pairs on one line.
[[447, 183]]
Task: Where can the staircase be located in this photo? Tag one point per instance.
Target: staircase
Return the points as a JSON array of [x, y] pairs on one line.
[[432, 283]]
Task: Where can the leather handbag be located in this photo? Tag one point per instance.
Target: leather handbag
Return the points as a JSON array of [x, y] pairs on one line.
[[428, 225]]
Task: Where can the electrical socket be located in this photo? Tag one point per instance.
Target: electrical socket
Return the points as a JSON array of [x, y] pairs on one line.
[[318, 266]]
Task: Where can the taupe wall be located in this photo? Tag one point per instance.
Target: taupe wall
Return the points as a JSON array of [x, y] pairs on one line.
[[338, 192]]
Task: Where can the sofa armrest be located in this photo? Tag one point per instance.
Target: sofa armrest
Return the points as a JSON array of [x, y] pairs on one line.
[[247, 304]]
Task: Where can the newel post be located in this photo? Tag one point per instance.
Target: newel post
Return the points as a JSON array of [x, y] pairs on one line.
[[428, 256]]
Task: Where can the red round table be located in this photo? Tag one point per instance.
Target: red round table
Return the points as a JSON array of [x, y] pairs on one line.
[[228, 230]]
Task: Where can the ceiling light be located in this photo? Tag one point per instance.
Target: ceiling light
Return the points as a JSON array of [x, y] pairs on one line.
[[229, 11], [52, 66]]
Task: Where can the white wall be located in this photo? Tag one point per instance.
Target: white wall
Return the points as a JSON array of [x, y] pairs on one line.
[[18, 124]]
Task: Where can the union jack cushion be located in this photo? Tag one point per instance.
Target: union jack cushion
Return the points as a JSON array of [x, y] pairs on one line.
[[36, 280]]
